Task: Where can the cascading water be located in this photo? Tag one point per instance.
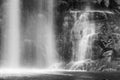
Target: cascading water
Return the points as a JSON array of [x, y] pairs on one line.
[[84, 34], [83, 30], [46, 37], [87, 30], [11, 42], [30, 46]]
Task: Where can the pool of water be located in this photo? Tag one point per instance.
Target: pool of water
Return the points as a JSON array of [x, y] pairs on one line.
[[65, 75]]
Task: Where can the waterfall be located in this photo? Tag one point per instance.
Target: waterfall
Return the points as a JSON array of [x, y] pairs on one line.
[[39, 36], [11, 41], [45, 36], [83, 30], [87, 31]]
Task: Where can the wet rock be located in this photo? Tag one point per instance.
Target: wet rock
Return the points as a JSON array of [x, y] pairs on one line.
[[95, 65], [109, 70]]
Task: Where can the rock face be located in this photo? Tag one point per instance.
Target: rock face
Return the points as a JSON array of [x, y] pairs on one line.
[[106, 46], [106, 41], [96, 65]]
